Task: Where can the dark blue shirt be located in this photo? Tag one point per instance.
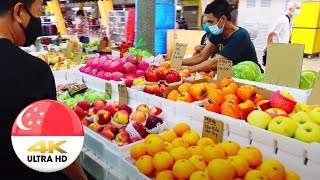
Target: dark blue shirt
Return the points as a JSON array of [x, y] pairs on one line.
[[238, 47]]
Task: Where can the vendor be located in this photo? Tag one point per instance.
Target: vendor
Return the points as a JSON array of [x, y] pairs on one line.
[[226, 41], [25, 79]]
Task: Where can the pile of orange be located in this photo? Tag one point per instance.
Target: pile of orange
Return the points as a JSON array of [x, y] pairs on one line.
[[225, 98], [182, 154]]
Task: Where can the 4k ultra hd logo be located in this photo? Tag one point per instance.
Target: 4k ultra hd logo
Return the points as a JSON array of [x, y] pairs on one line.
[[47, 136]]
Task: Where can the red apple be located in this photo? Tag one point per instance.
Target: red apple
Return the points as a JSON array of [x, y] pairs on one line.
[[143, 66], [129, 68], [154, 111], [116, 76], [139, 116], [128, 82], [151, 75], [162, 73], [112, 128], [139, 73], [85, 122], [143, 108], [153, 121], [84, 104], [107, 134], [126, 108], [159, 91], [92, 111], [95, 127], [162, 85], [121, 117], [102, 117], [106, 65], [106, 76], [140, 129], [115, 104], [133, 59], [123, 137], [150, 88], [173, 76], [99, 104], [79, 111], [111, 109], [116, 66], [123, 129], [185, 73], [274, 112]]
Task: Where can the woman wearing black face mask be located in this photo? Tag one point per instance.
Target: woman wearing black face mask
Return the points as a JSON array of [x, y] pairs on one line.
[[24, 80]]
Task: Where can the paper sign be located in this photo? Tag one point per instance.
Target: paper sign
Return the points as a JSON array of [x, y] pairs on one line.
[[314, 98], [178, 55], [284, 64], [224, 69], [77, 55], [69, 49], [108, 89], [213, 129], [102, 45], [123, 94]]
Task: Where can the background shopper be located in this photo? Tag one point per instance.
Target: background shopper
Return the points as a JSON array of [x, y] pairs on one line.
[[82, 27]]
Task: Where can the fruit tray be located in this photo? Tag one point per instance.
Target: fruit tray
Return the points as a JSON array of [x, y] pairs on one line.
[[301, 96]]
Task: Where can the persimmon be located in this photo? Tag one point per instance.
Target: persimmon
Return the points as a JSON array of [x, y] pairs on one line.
[[258, 98], [212, 106], [173, 95], [246, 104], [216, 95], [230, 89], [246, 92], [232, 97], [198, 91], [225, 82], [231, 109], [184, 96]]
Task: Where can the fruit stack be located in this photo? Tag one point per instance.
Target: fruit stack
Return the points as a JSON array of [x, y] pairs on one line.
[[57, 61], [119, 123], [182, 154], [301, 122], [110, 68]]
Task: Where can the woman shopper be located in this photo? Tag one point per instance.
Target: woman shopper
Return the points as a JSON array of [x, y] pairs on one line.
[[25, 79], [82, 27]]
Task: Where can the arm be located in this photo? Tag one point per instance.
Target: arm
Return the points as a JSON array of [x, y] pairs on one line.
[[75, 171], [270, 36], [206, 65], [204, 55]]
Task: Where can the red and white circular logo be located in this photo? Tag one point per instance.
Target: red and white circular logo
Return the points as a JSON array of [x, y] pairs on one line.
[[47, 136]]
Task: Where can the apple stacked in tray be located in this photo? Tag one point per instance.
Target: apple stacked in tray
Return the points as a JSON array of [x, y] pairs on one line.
[[110, 68], [57, 61], [119, 123]]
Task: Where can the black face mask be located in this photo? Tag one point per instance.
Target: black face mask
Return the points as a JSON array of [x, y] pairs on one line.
[[33, 30]]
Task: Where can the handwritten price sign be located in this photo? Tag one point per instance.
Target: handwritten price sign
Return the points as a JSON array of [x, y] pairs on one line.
[[224, 69], [213, 129], [178, 55]]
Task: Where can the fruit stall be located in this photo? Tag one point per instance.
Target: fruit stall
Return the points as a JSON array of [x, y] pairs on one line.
[[146, 120]]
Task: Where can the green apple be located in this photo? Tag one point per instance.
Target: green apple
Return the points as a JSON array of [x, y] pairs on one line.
[[121, 117], [283, 125], [315, 115], [64, 96], [243, 72], [252, 65], [104, 96], [307, 79], [300, 117], [308, 132], [78, 97], [259, 119], [71, 102]]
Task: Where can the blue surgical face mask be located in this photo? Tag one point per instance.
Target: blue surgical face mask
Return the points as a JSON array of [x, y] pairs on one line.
[[205, 27], [214, 29], [296, 12]]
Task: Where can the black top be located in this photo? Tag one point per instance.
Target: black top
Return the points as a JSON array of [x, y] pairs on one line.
[[24, 79]]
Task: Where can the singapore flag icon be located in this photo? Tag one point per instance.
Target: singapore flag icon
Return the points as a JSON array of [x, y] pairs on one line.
[[47, 136]]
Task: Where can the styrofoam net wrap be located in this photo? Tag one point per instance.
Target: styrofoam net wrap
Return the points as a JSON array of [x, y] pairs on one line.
[[138, 88], [91, 118], [119, 126], [132, 131], [158, 129], [187, 79], [132, 121], [174, 84]]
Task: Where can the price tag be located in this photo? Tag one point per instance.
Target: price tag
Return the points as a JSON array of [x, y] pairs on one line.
[[77, 55], [123, 94], [224, 69], [213, 129], [69, 49], [102, 45], [315, 95], [178, 55], [108, 89]]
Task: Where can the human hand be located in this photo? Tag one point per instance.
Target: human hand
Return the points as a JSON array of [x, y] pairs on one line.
[[198, 48]]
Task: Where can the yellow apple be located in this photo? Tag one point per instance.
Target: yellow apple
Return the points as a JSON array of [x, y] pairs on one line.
[[285, 94], [300, 117]]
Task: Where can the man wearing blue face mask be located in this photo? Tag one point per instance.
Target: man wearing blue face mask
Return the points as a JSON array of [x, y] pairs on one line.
[[226, 41], [198, 48]]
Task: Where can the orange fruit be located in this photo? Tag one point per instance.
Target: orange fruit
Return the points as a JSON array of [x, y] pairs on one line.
[[199, 175], [198, 162], [211, 152], [184, 87], [231, 148], [255, 174], [167, 146], [212, 86], [165, 175], [195, 150], [154, 145], [169, 136], [252, 154], [240, 164], [191, 137], [258, 98], [216, 95], [179, 142], [180, 153], [149, 136], [144, 165], [181, 128], [211, 74], [138, 150], [173, 95], [221, 169], [205, 142], [291, 175], [183, 169], [162, 161], [273, 169]]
